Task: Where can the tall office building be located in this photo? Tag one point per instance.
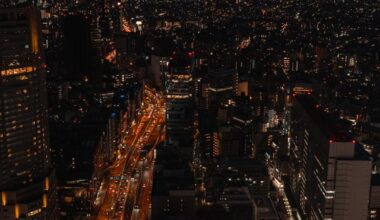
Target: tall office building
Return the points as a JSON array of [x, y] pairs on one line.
[[179, 106], [220, 87], [27, 183], [330, 174]]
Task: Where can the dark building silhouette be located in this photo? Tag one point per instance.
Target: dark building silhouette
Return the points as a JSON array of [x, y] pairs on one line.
[[27, 183], [329, 173]]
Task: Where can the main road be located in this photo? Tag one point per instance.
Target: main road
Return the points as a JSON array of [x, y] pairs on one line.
[[127, 189]]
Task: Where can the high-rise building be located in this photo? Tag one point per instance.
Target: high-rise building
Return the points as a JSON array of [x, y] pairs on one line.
[[220, 87], [27, 183], [238, 201], [330, 175], [209, 142], [374, 202], [179, 107]]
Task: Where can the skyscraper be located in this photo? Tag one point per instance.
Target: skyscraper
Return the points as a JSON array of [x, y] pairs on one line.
[[26, 179], [179, 106], [330, 174]]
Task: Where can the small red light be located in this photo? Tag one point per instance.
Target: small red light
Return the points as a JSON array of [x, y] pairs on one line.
[[331, 141], [309, 93], [317, 106], [353, 141]]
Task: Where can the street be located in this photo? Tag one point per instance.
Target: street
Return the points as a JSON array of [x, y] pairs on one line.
[[128, 186]]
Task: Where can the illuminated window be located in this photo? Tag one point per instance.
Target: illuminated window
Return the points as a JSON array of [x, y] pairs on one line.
[[46, 184], [17, 211], [34, 212], [23, 77], [3, 198], [44, 201], [17, 71]]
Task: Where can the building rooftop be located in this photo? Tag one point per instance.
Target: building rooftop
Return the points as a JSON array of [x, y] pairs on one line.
[[334, 128], [171, 173], [375, 180]]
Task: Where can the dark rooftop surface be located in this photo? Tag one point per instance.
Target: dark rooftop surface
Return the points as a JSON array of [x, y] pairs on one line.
[[171, 173], [331, 126], [375, 181]]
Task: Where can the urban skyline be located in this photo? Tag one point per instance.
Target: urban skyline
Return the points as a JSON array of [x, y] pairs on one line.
[[189, 109]]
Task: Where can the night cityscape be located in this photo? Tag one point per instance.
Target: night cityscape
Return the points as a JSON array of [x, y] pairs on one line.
[[189, 110]]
